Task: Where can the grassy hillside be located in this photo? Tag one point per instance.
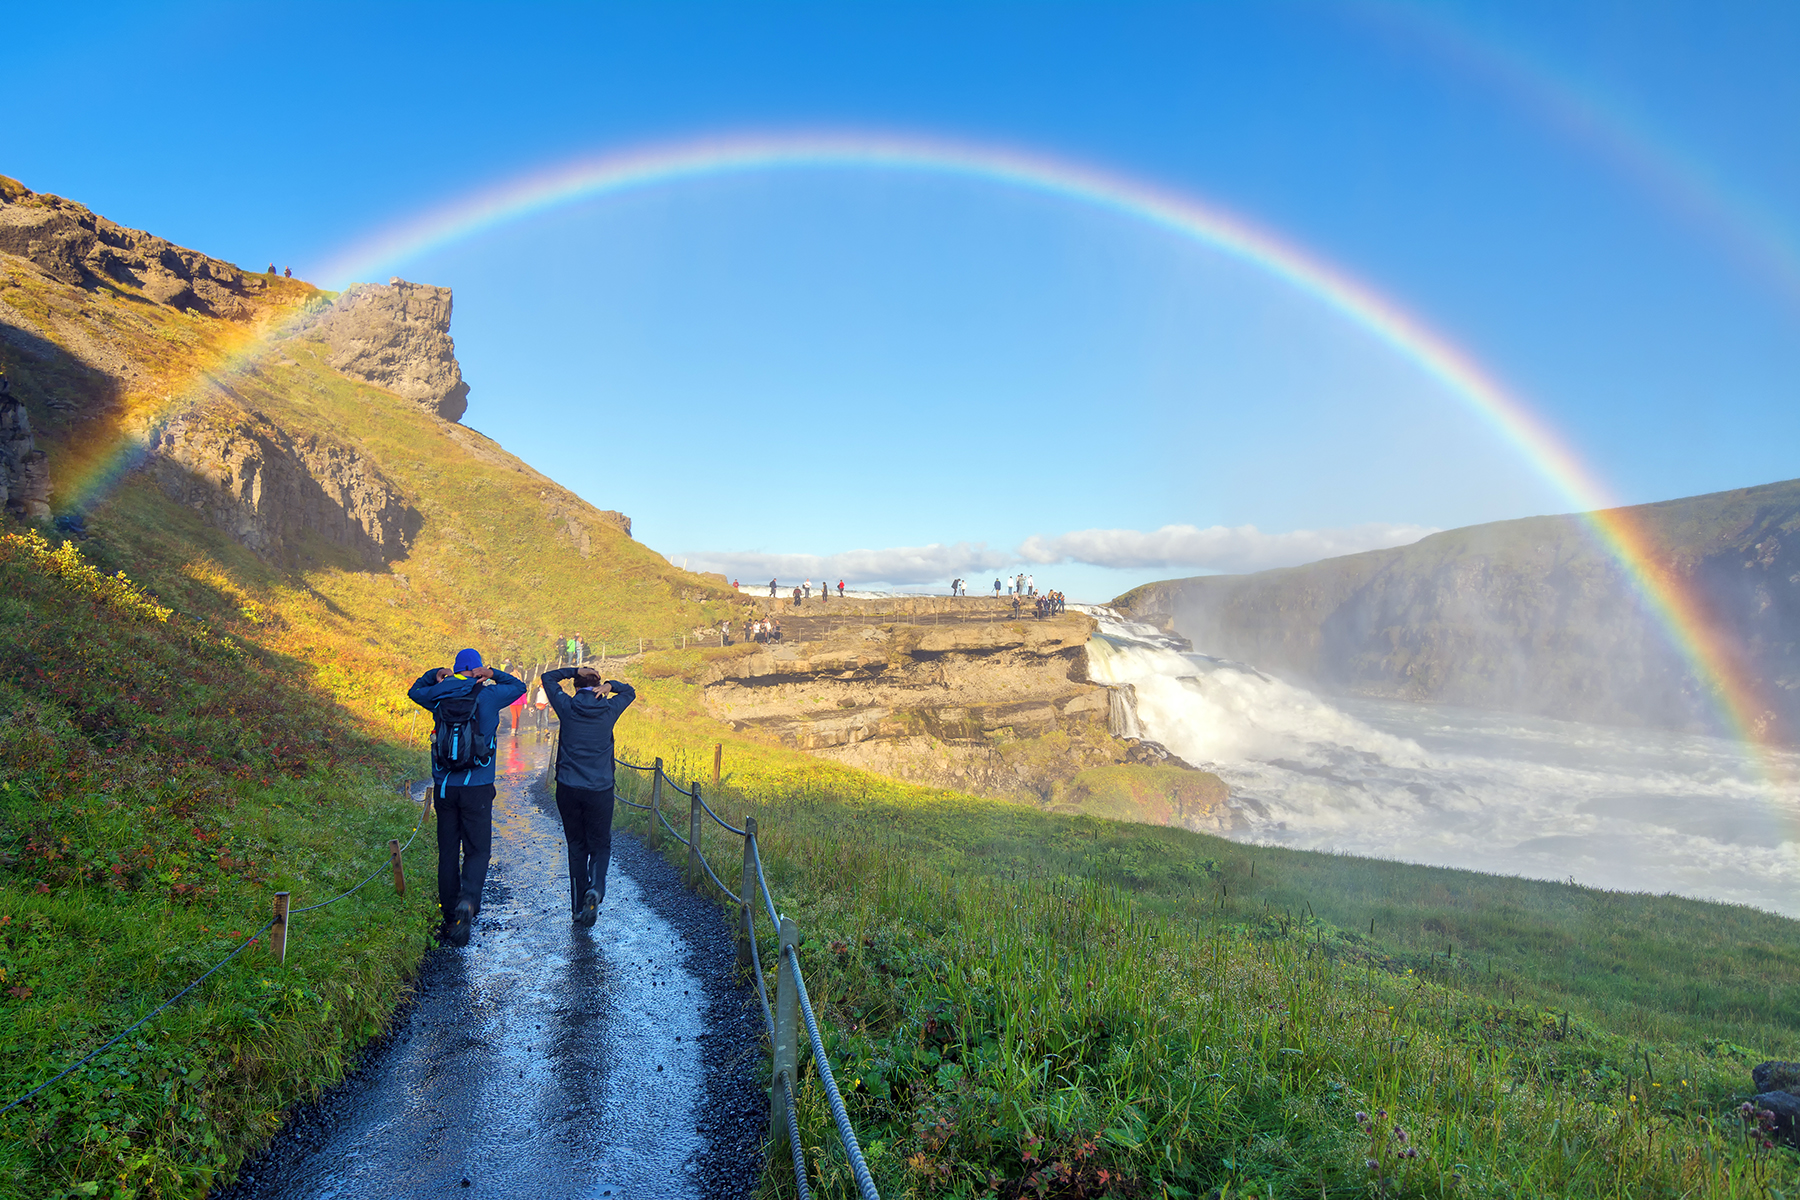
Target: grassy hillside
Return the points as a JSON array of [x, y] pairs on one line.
[[1027, 1003], [159, 781]]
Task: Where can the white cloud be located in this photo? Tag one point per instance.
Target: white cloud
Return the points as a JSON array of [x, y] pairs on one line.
[[1218, 548], [899, 565], [1244, 548]]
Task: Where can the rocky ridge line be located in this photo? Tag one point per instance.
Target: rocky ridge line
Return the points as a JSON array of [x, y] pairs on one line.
[[74, 245]]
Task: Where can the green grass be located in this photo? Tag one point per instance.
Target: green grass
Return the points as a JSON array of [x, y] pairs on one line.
[[1022, 1000], [159, 782]]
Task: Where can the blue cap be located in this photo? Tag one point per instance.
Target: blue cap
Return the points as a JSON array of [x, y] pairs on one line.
[[467, 660]]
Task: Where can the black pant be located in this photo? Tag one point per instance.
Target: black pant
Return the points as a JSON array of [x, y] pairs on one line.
[[465, 828], [587, 826]]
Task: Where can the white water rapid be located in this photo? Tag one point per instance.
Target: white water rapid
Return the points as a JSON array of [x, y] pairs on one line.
[[1628, 809]]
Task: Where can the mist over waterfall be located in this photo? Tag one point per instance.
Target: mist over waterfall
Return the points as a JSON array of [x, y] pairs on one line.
[[1629, 809]]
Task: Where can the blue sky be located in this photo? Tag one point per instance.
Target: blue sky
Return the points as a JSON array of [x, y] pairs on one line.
[[1600, 202]]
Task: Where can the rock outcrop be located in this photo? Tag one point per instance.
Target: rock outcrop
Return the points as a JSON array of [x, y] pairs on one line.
[[1530, 616], [272, 491], [24, 469], [76, 246], [961, 698], [395, 336]]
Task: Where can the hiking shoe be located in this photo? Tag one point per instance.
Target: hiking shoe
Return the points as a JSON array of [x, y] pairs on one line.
[[590, 909], [459, 925]]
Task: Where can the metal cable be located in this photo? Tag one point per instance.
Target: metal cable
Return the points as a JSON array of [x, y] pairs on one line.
[[633, 765], [723, 824], [669, 827], [677, 786], [756, 855], [762, 987], [630, 803], [735, 898], [119, 1036], [865, 1183], [793, 1124]]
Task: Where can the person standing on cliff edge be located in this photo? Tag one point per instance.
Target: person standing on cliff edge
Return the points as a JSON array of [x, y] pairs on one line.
[[464, 702], [584, 779]]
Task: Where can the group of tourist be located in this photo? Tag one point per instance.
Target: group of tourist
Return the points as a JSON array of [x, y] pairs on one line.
[[802, 591], [1018, 585], [768, 629]]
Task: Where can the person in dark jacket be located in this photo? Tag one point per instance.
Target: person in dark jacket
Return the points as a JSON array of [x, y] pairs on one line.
[[465, 797], [584, 778]]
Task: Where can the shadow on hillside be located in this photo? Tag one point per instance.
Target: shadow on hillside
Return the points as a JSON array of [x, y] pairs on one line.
[[58, 389]]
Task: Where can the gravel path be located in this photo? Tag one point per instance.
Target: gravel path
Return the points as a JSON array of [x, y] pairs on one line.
[[544, 1060]]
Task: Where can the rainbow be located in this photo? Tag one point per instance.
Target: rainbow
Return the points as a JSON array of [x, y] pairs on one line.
[[1679, 609], [1687, 187]]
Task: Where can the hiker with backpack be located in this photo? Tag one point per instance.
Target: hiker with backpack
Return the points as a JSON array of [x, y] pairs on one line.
[[464, 702], [584, 779]]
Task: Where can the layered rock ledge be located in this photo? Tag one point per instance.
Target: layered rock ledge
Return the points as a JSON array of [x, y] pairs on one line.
[[951, 693]]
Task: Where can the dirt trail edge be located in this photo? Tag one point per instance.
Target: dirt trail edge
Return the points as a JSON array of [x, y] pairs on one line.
[[545, 1060]]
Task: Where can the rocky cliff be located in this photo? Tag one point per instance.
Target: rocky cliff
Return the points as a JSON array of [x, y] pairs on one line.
[[108, 330], [1530, 616], [953, 694], [278, 459], [24, 469], [74, 245], [270, 490], [395, 336]]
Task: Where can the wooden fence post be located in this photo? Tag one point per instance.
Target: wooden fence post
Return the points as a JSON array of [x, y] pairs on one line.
[[694, 869], [656, 778], [747, 888], [394, 857], [278, 931], [786, 1050], [718, 760]]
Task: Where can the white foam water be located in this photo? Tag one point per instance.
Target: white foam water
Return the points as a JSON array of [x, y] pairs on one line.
[[1627, 809]]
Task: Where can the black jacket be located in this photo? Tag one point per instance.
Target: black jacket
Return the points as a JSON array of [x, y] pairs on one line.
[[584, 746]]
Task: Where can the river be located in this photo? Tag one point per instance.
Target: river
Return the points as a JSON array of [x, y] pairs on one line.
[[1638, 810]]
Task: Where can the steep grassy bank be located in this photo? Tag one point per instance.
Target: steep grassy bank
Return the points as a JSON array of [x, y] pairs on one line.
[[1023, 1001], [159, 781]]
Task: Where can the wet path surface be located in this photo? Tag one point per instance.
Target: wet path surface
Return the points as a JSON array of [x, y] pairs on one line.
[[546, 1060]]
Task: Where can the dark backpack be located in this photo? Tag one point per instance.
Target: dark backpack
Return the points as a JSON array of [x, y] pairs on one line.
[[456, 745]]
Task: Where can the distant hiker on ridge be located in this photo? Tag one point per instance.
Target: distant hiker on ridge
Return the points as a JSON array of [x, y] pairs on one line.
[[584, 779], [771, 589], [464, 704]]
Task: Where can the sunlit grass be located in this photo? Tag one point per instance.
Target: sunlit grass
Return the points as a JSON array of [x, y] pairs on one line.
[[1022, 1001]]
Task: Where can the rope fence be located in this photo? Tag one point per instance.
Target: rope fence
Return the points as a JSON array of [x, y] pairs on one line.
[[277, 945]]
